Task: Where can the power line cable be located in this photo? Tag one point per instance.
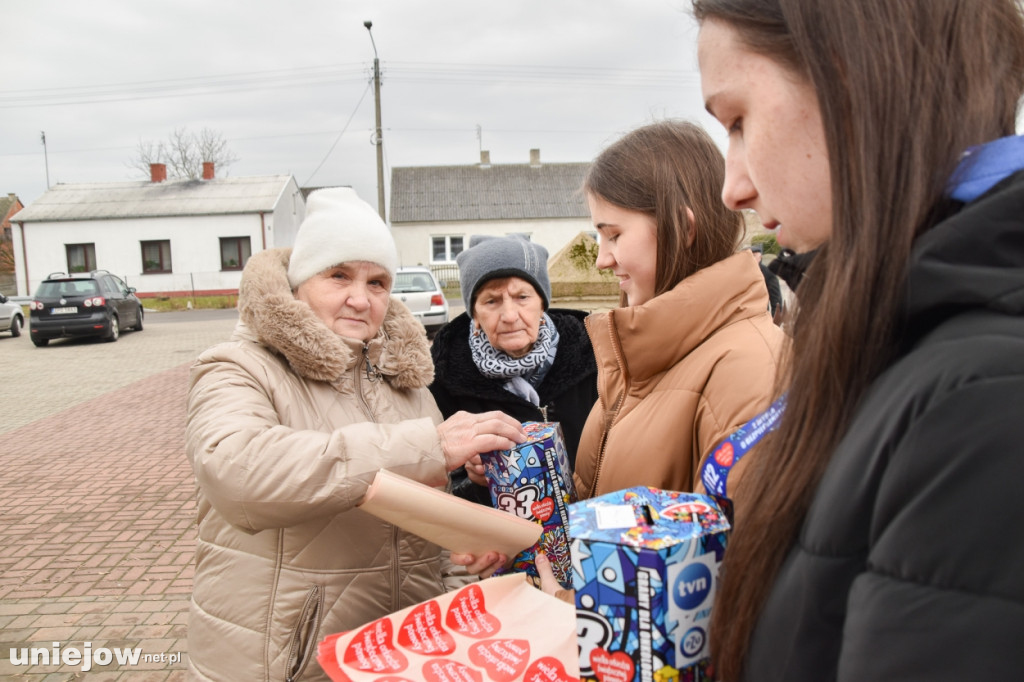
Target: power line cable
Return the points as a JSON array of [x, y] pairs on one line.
[[186, 80], [177, 87], [402, 72], [457, 131], [338, 138]]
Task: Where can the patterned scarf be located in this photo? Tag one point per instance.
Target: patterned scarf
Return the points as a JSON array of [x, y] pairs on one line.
[[523, 374]]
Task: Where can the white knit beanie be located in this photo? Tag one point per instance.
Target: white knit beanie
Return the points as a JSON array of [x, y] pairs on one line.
[[339, 227]]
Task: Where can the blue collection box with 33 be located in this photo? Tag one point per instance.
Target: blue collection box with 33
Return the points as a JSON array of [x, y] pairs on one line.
[[534, 481]]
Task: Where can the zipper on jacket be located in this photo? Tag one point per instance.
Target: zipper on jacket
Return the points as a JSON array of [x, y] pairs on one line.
[[305, 634], [373, 374], [395, 577], [610, 417], [358, 372]]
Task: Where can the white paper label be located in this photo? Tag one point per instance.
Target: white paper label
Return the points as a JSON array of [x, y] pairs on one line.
[[615, 516]]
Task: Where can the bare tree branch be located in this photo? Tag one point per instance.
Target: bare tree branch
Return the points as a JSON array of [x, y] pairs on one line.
[[6, 255], [182, 158], [145, 154], [213, 147], [184, 154]]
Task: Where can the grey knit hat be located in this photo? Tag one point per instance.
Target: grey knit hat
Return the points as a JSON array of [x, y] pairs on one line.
[[490, 258]]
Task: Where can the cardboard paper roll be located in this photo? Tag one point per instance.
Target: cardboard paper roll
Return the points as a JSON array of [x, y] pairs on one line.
[[451, 522]]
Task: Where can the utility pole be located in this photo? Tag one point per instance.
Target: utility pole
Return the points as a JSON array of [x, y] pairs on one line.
[[379, 137], [46, 159]]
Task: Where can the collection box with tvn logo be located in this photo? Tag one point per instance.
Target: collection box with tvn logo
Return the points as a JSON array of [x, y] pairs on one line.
[[534, 482], [645, 570]]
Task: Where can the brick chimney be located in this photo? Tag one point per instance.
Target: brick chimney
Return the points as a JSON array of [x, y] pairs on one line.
[[157, 172], [535, 158], [207, 170], [485, 158]]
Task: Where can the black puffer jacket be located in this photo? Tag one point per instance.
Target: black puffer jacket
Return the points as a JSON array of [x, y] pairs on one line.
[[910, 564], [567, 393]]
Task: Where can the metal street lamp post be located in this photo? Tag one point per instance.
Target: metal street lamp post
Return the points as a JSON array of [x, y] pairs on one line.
[[379, 137]]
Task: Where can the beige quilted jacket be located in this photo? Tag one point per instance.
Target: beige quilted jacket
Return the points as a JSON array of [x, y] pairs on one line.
[[285, 431]]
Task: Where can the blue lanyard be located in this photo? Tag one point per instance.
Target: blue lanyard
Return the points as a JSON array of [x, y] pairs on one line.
[[731, 450], [984, 165]]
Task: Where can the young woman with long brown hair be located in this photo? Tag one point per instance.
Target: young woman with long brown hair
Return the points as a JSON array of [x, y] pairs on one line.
[[691, 353], [877, 530]]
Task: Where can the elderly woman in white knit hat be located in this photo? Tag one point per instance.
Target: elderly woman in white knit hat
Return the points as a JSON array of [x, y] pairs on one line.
[[510, 351], [323, 383]]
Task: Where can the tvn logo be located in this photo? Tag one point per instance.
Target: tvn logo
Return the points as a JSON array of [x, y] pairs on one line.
[[692, 586]]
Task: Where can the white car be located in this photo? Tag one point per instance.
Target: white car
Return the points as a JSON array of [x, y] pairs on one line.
[[12, 318], [418, 289]]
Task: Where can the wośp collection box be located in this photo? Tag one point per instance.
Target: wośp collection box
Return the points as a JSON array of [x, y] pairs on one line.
[[645, 571]]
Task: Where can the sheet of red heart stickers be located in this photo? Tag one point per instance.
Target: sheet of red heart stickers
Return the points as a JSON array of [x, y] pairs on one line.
[[497, 630]]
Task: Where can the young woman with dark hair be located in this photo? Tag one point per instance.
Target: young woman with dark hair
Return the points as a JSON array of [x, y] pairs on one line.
[[871, 543], [690, 355]]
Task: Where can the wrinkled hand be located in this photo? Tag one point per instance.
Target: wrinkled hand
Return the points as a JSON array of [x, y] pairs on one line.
[[476, 471], [485, 565], [464, 435]]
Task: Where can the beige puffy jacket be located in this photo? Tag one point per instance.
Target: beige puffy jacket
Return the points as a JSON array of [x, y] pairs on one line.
[[285, 431], [676, 376]]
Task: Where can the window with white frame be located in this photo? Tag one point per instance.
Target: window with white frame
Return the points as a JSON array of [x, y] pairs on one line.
[[444, 249]]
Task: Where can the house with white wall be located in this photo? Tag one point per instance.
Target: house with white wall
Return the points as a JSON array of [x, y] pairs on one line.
[[436, 209], [163, 237]]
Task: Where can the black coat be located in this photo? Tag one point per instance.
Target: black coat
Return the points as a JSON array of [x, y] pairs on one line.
[[567, 393], [771, 281], [790, 267], [910, 562]]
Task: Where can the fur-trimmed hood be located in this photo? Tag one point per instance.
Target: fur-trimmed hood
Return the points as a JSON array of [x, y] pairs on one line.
[[270, 314]]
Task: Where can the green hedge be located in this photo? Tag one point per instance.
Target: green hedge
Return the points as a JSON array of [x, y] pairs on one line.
[[767, 242]]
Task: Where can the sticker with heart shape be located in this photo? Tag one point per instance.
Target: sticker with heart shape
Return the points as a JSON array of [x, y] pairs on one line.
[[423, 633], [615, 667], [445, 670], [502, 659], [548, 669], [467, 614], [543, 509], [372, 650]]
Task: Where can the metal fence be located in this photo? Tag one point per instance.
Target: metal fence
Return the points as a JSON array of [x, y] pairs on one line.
[[447, 276]]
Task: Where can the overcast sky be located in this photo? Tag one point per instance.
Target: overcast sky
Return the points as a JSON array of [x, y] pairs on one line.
[[289, 84]]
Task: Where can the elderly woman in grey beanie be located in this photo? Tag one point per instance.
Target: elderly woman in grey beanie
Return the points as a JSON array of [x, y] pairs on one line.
[[509, 351], [322, 384]]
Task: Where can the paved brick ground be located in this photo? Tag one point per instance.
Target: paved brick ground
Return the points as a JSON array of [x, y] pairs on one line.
[[98, 532], [38, 382], [97, 499], [97, 503]]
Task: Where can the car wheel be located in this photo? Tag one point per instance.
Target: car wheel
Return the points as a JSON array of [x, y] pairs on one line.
[[115, 330], [138, 325], [16, 324], [40, 342]]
